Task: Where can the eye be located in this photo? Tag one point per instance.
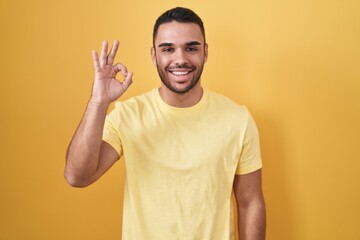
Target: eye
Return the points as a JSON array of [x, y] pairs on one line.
[[167, 49], [192, 49]]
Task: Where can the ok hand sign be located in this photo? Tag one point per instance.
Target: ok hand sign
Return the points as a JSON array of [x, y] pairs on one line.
[[107, 88]]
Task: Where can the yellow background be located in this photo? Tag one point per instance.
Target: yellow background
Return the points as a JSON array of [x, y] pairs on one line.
[[295, 64]]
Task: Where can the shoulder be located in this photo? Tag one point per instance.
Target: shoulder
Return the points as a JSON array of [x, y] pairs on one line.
[[224, 104], [136, 103]]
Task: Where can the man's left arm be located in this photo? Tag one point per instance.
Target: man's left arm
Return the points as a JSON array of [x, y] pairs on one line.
[[250, 206]]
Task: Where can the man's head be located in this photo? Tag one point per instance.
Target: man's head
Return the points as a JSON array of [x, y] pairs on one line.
[[179, 50], [181, 15]]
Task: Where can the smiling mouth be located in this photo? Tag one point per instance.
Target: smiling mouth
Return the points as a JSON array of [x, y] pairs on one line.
[[181, 71], [178, 73]]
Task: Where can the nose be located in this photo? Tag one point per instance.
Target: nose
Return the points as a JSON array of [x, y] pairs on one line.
[[180, 57]]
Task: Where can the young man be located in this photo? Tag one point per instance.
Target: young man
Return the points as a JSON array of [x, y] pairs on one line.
[[185, 148]]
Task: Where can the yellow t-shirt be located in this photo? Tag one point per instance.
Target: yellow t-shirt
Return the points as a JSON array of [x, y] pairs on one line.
[[180, 165]]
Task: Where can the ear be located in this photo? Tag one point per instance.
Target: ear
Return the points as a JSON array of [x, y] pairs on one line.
[[206, 52], [153, 56]]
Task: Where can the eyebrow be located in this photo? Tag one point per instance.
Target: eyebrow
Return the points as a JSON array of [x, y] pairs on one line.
[[165, 44], [192, 43]]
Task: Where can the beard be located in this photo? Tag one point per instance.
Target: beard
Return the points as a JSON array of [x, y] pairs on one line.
[[165, 79]]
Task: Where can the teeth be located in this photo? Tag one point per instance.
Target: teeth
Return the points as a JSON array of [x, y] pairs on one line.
[[180, 73]]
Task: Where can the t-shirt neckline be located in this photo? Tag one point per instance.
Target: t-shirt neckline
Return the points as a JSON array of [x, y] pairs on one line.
[[182, 111]]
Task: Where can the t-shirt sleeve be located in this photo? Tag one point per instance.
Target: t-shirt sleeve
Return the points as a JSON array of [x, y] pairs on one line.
[[250, 157], [111, 133]]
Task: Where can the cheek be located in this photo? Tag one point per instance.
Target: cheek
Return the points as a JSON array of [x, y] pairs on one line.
[[199, 61], [163, 61]]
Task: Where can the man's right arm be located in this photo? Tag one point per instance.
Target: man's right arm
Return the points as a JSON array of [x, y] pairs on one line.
[[88, 157]]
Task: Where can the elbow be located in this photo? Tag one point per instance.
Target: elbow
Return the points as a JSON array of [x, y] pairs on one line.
[[74, 177], [256, 201], [257, 205], [75, 181]]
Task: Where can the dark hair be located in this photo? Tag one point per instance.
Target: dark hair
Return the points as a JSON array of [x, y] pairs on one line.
[[178, 14]]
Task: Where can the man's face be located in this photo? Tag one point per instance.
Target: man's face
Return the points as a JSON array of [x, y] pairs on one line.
[[179, 53]]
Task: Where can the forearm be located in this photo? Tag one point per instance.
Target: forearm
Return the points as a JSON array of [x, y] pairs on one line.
[[82, 158], [252, 220]]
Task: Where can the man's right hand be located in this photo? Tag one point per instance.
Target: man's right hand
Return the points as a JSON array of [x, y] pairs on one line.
[[107, 88]]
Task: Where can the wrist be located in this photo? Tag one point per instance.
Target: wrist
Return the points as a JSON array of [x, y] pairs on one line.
[[98, 103]]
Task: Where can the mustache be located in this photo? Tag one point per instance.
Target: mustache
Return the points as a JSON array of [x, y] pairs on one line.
[[178, 67]]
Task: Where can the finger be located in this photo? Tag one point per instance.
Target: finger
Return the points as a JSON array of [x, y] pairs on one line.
[[103, 55], [127, 81], [112, 54], [120, 68], [96, 60]]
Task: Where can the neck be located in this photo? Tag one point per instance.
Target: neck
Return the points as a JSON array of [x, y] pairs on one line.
[[183, 100]]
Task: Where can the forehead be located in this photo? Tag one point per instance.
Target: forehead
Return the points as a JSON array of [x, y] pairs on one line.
[[178, 33]]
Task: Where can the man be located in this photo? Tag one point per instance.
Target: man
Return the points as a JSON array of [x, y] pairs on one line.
[[185, 148]]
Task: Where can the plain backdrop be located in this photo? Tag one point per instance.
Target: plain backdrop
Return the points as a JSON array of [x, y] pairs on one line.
[[294, 64]]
